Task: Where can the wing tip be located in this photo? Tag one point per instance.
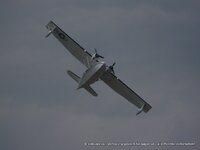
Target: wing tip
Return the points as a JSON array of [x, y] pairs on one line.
[[147, 107]]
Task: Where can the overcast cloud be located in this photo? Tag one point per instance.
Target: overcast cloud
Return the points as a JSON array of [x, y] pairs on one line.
[[156, 48]]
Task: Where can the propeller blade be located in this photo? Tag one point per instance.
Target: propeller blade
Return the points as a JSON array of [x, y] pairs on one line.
[[113, 64], [112, 67], [97, 55]]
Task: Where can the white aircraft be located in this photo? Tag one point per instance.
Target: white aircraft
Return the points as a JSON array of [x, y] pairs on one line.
[[96, 70]]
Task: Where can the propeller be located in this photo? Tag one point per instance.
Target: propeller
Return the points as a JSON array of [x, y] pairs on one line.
[[112, 67], [97, 55]]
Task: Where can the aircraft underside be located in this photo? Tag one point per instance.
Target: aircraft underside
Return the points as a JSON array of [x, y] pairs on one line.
[[90, 76], [97, 69]]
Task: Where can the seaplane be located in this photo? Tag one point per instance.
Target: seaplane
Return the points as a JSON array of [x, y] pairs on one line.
[[96, 70]]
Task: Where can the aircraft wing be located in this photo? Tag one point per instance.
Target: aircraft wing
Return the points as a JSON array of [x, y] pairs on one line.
[[74, 48], [117, 85]]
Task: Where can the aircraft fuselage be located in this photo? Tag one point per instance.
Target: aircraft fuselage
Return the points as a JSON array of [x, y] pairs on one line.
[[92, 74]]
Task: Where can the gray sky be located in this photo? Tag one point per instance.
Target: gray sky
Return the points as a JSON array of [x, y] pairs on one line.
[[155, 45]]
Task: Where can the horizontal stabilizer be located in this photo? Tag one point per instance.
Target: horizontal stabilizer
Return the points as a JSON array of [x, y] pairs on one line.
[[73, 76], [90, 90], [77, 79]]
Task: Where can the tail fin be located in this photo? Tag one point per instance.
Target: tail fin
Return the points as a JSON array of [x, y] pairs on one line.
[[77, 79], [73, 76]]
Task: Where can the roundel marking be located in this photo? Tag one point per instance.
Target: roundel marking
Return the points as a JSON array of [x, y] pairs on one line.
[[61, 35]]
